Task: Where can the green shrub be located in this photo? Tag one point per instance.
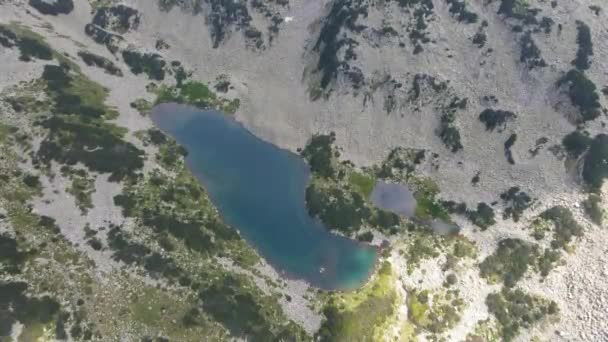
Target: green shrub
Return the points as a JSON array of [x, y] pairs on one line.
[[509, 262], [595, 168], [151, 64], [483, 217], [516, 202], [515, 310], [585, 46], [564, 224], [576, 143], [319, 153], [582, 93], [496, 118], [92, 59]]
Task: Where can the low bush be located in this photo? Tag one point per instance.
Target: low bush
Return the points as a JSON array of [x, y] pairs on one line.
[[585, 46], [582, 93], [509, 262], [576, 143], [496, 118], [515, 310], [595, 168]]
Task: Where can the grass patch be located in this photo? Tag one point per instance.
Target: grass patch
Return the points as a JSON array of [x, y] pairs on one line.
[[357, 316], [363, 183]]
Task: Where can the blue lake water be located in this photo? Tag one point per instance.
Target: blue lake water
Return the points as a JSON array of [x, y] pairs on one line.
[[259, 189]]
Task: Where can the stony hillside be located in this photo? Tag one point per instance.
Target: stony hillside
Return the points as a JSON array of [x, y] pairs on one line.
[[493, 112]]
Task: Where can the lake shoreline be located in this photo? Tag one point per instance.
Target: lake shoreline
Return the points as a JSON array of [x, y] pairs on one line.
[[169, 117]]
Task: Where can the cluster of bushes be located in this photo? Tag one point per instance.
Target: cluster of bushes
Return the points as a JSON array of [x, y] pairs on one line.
[[509, 262], [576, 143], [595, 168], [565, 227], [30, 46], [447, 131], [459, 10], [436, 312], [516, 202], [196, 94], [483, 216], [78, 131], [17, 306], [103, 37], [53, 7], [92, 59], [339, 210], [242, 309], [118, 18], [582, 93], [320, 154], [493, 119], [585, 47], [152, 64], [530, 53], [343, 14], [515, 310], [11, 257]]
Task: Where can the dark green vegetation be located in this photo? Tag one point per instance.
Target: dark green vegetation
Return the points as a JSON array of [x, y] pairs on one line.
[[509, 262], [77, 127], [516, 202], [595, 169], [16, 305], [585, 47], [576, 143], [515, 310], [483, 216], [196, 94], [119, 18], [565, 227], [508, 144], [436, 311], [459, 10], [496, 119], [78, 131], [447, 131], [514, 257], [177, 212], [582, 93], [530, 53], [342, 16], [92, 59], [338, 194], [224, 17], [320, 155], [593, 209], [358, 316], [53, 7], [152, 64], [11, 256], [30, 45], [101, 36]]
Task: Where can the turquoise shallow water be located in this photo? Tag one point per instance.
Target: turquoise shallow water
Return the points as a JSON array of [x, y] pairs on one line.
[[259, 189]]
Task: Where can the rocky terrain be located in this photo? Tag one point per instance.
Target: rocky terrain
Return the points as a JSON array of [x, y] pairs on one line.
[[492, 111]]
